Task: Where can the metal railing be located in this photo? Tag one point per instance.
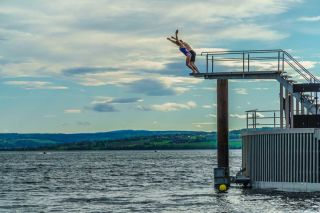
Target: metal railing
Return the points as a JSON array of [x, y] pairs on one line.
[[262, 118], [257, 60], [276, 60]]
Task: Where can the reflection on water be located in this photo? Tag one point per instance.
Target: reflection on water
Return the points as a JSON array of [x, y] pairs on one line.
[[131, 181]]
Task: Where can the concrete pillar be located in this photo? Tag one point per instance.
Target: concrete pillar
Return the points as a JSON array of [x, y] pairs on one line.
[[222, 125]]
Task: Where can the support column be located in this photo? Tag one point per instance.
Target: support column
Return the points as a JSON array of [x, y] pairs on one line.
[[286, 109], [297, 106], [291, 110], [281, 106], [222, 125]]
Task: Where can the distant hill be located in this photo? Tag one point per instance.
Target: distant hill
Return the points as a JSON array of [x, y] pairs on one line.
[[14, 141], [195, 140]]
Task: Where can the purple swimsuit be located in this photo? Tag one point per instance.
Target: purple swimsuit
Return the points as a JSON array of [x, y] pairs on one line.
[[185, 51]]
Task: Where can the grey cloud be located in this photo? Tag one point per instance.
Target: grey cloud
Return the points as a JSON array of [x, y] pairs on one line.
[[124, 100], [151, 87], [104, 107], [143, 108], [179, 68], [137, 20], [86, 70], [109, 105]]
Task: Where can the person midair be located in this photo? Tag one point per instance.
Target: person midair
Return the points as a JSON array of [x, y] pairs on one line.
[[186, 49]]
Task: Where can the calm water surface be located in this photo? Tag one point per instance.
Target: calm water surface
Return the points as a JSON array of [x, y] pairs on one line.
[[131, 181]]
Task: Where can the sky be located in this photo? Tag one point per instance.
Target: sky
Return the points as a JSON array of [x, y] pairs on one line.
[[103, 65]]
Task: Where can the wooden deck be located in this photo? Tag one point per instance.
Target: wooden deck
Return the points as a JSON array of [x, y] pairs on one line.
[[238, 75]]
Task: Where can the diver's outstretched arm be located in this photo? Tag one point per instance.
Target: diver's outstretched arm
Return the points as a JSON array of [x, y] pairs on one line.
[[173, 41]]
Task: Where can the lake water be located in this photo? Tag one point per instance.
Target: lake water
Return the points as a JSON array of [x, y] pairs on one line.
[[131, 181]]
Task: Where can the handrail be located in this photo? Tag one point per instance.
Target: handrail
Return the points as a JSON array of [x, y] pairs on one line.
[[253, 116], [239, 51], [277, 60], [282, 57], [302, 67]]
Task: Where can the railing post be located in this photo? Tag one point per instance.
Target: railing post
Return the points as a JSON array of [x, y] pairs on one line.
[[243, 61], [207, 57], [212, 58], [282, 61], [247, 120], [253, 120], [281, 106], [287, 109], [278, 61], [248, 62], [316, 103]]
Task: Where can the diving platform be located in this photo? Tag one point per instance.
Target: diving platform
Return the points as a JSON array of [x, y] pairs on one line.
[[286, 156], [238, 75]]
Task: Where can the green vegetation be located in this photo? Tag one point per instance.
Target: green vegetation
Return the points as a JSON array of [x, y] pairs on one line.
[[117, 140], [150, 143]]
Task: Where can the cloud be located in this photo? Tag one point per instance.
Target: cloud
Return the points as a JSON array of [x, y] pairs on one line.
[[199, 125], [209, 88], [168, 107], [152, 87], [261, 88], [103, 107], [109, 104], [143, 108], [203, 123], [87, 70], [211, 116], [250, 32], [209, 106], [238, 116], [69, 33], [243, 116], [309, 18], [111, 100], [30, 85], [72, 111], [241, 91]]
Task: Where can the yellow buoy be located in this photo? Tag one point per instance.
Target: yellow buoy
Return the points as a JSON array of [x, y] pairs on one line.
[[222, 187]]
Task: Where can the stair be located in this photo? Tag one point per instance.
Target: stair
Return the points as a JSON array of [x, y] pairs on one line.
[[307, 101]]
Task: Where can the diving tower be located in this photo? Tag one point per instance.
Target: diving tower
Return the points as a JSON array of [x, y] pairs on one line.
[[286, 156]]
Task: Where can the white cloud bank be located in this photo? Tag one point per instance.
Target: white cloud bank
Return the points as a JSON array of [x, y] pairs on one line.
[[168, 107], [122, 34], [309, 18], [29, 85], [72, 111]]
